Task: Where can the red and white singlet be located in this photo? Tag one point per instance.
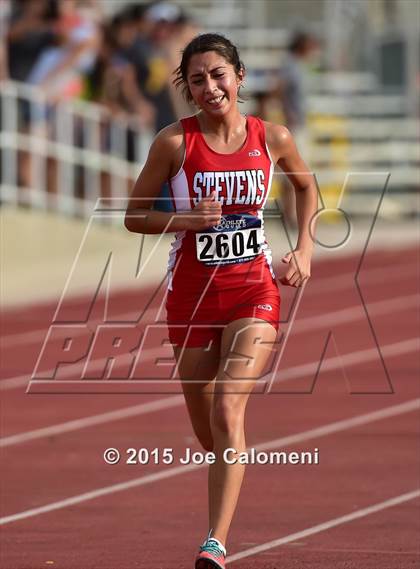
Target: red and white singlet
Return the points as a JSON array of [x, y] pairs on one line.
[[224, 272]]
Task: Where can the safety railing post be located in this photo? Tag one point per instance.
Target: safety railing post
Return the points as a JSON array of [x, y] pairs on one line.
[[38, 149], [118, 149], [67, 202], [9, 146], [91, 146]]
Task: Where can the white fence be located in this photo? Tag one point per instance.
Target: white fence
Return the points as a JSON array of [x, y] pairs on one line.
[[65, 158]]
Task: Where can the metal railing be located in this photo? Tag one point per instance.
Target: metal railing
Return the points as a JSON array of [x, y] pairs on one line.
[[65, 156]]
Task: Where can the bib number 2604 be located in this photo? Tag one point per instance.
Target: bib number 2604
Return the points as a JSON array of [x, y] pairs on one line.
[[236, 240]]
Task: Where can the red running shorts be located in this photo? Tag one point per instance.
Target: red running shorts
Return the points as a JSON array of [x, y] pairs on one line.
[[193, 323]]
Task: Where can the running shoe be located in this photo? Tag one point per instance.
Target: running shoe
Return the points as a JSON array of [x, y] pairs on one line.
[[210, 556]]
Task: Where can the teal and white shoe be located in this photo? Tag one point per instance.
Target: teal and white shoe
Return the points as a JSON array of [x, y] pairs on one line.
[[212, 555]]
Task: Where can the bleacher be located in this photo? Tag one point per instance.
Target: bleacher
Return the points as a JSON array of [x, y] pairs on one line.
[[357, 128]]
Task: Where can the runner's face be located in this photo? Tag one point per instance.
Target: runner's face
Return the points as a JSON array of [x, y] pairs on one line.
[[213, 82]]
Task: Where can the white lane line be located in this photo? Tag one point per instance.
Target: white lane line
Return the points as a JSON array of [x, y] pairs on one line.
[[93, 420], [350, 550], [344, 424], [352, 358], [299, 326], [100, 492], [335, 427], [326, 525], [355, 312], [320, 286], [294, 372]]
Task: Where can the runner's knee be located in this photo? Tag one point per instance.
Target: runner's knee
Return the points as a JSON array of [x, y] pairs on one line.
[[227, 416]]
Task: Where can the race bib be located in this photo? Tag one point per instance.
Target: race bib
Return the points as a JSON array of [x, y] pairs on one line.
[[237, 239]]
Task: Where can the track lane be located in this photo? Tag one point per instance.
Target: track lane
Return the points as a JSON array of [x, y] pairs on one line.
[[140, 544], [363, 483]]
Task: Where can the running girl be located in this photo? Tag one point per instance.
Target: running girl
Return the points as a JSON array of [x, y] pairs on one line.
[[223, 299]]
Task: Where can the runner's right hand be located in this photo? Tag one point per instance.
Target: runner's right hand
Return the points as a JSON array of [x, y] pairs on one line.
[[207, 212]]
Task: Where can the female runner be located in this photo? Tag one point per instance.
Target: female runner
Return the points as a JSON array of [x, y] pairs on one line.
[[223, 300]]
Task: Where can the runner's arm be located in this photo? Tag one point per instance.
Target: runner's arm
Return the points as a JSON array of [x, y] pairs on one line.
[[290, 161], [139, 217], [288, 158]]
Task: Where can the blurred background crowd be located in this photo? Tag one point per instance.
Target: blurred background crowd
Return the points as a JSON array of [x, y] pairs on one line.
[[87, 83], [72, 48]]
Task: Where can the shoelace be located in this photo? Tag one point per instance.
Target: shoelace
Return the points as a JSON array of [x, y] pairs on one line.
[[211, 547]]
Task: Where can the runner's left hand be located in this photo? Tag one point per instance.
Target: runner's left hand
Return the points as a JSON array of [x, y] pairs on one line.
[[299, 270]]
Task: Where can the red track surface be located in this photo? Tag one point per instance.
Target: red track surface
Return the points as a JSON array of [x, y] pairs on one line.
[[159, 524]]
